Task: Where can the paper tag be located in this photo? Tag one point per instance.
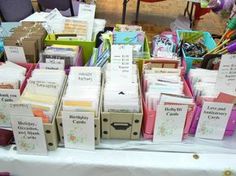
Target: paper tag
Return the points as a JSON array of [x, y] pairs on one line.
[[43, 87], [213, 120], [29, 135], [15, 54], [5, 120], [87, 12], [226, 78], [56, 61], [9, 95], [86, 76], [20, 109], [51, 66], [121, 63], [169, 124], [78, 128]]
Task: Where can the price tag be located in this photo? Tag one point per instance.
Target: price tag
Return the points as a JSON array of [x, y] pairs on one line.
[[78, 128], [15, 54], [226, 78], [169, 124], [29, 135], [213, 120], [121, 63]]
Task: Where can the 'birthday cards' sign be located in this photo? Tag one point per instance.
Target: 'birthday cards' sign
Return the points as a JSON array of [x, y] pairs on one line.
[[78, 128], [213, 120], [169, 124]]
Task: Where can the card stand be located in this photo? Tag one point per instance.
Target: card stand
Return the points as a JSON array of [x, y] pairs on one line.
[[78, 61], [193, 62], [87, 46], [50, 129], [118, 125], [96, 122], [150, 116]]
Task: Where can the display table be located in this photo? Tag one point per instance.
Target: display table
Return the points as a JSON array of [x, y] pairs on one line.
[[70, 162]]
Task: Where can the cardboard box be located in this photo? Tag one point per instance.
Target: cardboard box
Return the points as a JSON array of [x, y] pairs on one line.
[[116, 125]]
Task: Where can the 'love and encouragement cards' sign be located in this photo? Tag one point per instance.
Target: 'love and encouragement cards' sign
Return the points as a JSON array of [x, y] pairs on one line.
[[213, 120], [29, 135], [78, 128], [169, 124]]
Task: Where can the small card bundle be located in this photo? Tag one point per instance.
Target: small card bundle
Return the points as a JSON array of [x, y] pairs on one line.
[[83, 90], [203, 82], [43, 92], [120, 95], [76, 26], [11, 75], [164, 45], [159, 81], [59, 55], [132, 35]]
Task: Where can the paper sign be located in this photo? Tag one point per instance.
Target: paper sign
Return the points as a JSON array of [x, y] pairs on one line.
[[9, 95], [29, 135], [20, 109], [165, 54], [226, 78], [78, 128], [86, 76], [87, 12], [121, 63], [213, 120], [169, 124], [51, 66], [5, 120], [56, 61], [15, 54]]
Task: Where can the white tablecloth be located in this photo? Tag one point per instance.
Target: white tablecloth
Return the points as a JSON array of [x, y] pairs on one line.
[[68, 162]]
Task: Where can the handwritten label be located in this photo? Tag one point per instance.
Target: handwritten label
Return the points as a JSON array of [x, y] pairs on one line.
[[20, 109], [226, 79], [165, 54], [213, 120], [86, 76], [43, 87], [87, 12], [121, 62], [51, 66], [9, 95], [78, 128], [169, 124], [15, 54], [29, 135], [56, 61]]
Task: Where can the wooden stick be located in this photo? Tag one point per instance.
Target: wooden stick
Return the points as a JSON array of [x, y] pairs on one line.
[[223, 36]]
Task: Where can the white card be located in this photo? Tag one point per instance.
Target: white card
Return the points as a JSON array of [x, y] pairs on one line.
[[226, 78], [9, 95], [56, 61], [15, 54], [5, 120], [78, 128], [29, 135], [169, 123], [87, 12], [51, 66], [121, 63], [20, 109], [213, 120]]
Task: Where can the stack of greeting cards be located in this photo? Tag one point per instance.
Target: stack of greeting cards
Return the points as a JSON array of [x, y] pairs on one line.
[[43, 92], [168, 104]]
